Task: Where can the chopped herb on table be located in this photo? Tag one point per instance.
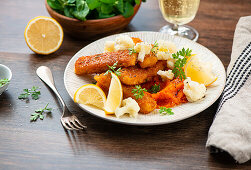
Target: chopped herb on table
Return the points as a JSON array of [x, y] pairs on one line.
[[138, 92], [27, 92], [181, 57], [113, 69], [39, 113], [3, 82], [165, 111], [93, 9], [155, 88]]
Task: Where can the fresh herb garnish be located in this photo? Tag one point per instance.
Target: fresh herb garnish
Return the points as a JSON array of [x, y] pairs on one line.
[[33, 92], [3, 82], [155, 88], [138, 92], [131, 51], [39, 113], [93, 9], [164, 111], [155, 46], [113, 69], [180, 56]]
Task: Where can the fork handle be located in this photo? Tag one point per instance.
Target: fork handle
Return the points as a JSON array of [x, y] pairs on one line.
[[45, 74]]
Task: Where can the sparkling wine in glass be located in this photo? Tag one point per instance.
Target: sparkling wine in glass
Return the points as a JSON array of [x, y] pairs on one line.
[[178, 13]]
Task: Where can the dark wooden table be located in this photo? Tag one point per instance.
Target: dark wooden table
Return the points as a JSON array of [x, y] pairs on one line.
[[104, 145]]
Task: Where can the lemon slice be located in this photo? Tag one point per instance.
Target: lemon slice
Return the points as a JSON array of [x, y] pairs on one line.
[[43, 35], [90, 94], [115, 95], [199, 71]]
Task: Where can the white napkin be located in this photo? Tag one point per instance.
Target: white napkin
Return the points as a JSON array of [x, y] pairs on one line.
[[231, 128]]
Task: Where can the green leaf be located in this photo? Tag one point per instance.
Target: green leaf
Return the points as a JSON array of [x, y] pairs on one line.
[[108, 1], [106, 8], [165, 111], [3, 82], [137, 2], [41, 117], [39, 110], [71, 1], [82, 10], [34, 116], [80, 4], [23, 96], [128, 10], [26, 90], [68, 11], [48, 109], [120, 6], [92, 4], [138, 92], [55, 4], [34, 88], [155, 88]]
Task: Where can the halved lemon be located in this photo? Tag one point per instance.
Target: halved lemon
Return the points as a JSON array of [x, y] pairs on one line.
[[115, 95], [90, 94], [43, 35], [200, 72]]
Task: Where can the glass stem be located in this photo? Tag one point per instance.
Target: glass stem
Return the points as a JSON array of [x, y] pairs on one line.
[[175, 27]]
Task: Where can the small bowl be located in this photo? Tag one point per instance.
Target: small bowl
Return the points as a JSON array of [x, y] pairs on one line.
[[5, 73], [91, 29]]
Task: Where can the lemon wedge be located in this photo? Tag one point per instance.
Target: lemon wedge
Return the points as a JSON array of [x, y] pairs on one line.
[[115, 95], [90, 94], [43, 35], [200, 72]]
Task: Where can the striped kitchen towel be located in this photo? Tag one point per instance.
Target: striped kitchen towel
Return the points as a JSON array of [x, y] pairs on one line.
[[231, 128]]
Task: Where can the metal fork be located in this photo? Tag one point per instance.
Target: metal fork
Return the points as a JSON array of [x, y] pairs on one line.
[[68, 120]]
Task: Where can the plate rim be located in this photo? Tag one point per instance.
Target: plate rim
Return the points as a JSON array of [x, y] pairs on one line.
[[121, 121]]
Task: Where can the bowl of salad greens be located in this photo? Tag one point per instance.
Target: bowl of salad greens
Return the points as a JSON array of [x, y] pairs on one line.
[[88, 19], [5, 77]]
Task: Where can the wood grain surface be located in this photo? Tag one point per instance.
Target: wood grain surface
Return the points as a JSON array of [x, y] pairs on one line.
[[104, 145]]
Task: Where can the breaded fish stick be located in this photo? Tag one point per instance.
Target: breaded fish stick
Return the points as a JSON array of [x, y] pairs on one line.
[[98, 63], [146, 104], [136, 75], [149, 61]]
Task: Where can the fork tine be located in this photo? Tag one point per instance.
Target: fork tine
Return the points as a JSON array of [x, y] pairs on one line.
[[76, 119], [70, 125], [65, 126], [75, 124]]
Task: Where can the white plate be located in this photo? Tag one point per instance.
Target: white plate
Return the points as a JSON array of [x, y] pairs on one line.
[[73, 82]]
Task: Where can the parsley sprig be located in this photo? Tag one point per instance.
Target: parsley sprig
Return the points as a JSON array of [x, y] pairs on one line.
[[155, 88], [165, 111], [138, 92], [131, 51], [113, 69], [180, 56], [33, 92], [39, 113], [155, 47], [3, 82]]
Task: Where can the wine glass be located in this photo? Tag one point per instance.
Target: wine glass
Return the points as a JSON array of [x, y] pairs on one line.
[[179, 12]]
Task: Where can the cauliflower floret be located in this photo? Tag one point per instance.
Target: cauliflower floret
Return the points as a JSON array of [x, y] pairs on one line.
[[130, 106], [170, 62], [166, 75], [194, 91], [166, 46], [123, 42], [143, 49], [109, 46]]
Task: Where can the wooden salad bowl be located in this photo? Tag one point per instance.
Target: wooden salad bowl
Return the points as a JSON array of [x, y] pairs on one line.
[[91, 29]]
